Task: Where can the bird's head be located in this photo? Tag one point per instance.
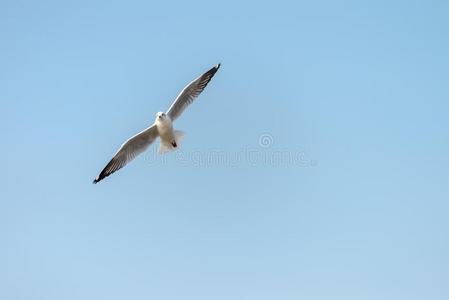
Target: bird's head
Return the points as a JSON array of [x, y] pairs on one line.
[[160, 116]]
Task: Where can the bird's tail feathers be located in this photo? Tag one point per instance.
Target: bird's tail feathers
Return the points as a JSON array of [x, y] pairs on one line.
[[165, 147], [179, 135]]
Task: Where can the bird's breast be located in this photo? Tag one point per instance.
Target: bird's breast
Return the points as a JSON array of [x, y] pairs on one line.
[[165, 128]]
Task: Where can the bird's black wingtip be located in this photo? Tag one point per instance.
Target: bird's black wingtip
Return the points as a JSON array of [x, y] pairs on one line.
[[218, 66], [95, 180]]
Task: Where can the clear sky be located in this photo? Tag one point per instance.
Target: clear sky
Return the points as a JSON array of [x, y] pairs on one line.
[[314, 166]]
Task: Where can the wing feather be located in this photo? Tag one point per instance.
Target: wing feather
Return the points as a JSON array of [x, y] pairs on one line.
[[190, 93], [128, 151]]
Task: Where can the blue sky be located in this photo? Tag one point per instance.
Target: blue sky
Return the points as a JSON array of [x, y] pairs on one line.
[[343, 105]]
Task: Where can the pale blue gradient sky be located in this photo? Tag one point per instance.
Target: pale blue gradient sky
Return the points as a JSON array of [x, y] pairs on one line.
[[360, 88]]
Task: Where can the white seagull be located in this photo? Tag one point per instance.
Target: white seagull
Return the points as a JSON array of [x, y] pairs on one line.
[[162, 127]]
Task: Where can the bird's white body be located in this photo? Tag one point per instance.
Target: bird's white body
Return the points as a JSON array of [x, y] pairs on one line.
[[164, 127], [170, 138]]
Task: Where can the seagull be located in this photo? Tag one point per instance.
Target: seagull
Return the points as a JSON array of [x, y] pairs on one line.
[[162, 128]]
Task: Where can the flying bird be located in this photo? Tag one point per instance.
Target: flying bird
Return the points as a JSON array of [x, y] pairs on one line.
[[162, 128]]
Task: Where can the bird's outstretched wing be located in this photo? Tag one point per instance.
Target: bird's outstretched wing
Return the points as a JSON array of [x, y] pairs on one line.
[[129, 150], [190, 92]]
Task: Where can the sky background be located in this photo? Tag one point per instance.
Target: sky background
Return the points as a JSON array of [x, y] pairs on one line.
[[314, 166]]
